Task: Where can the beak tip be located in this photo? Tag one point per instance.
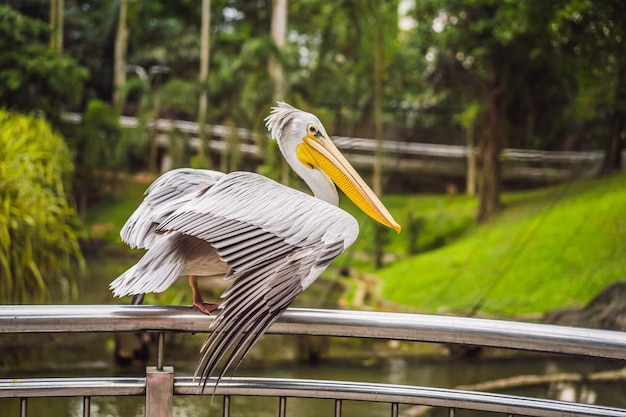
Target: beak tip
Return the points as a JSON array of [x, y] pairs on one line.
[[397, 228]]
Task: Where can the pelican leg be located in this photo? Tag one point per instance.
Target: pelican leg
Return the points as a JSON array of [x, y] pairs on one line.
[[198, 302], [138, 299]]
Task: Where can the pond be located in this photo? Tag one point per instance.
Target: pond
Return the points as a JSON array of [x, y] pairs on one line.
[[349, 360], [86, 355]]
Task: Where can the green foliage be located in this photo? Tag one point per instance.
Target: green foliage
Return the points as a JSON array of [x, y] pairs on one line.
[[33, 75], [506, 50], [98, 147], [337, 71], [439, 220], [39, 230], [105, 219], [540, 51], [593, 34], [102, 151], [550, 248], [179, 99], [233, 157], [467, 118], [272, 157], [239, 86]]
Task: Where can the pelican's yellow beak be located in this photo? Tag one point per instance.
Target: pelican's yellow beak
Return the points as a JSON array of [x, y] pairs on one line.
[[319, 151]]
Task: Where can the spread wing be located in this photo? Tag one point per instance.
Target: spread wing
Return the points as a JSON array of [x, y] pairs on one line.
[[275, 240], [166, 195]]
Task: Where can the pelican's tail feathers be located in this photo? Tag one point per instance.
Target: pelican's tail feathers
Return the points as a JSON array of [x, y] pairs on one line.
[[155, 272]]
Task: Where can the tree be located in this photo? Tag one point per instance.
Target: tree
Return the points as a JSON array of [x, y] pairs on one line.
[[204, 79], [337, 71], [39, 229], [100, 152], [467, 119], [275, 66], [501, 55], [33, 75], [119, 62], [593, 33], [57, 13], [278, 32]]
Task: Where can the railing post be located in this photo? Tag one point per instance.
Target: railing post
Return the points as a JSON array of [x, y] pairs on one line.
[[337, 408], [86, 406], [226, 407], [282, 406], [23, 407], [394, 409], [159, 391]]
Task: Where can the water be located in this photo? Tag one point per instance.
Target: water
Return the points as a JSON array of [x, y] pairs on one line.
[[351, 360]]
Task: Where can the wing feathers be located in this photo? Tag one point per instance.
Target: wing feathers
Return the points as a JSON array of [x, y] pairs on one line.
[[253, 302], [244, 216], [167, 194], [238, 242], [155, 272], [274, 239], [266, 254]]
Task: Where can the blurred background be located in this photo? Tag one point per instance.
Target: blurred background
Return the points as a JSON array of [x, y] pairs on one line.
[[494, 132]]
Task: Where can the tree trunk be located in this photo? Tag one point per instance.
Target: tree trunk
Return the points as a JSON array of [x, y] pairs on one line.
[[53, 23], [380, 234], [378, 106], [490, 150], [613, 157], [275, 66], [203, 101], [59, 25], [121, 44], [470, 181], [57, 8], [279, 32]]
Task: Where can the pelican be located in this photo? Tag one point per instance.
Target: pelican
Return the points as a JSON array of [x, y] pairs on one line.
[[270, 241]]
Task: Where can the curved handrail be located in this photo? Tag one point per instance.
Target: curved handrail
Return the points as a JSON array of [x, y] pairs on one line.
[[380, 325], [308, 388]]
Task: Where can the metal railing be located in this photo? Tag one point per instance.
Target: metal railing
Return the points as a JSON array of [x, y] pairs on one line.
[[444, 161], [160, 385]]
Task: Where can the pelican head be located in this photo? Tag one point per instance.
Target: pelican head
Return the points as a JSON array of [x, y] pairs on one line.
[[306, 146]]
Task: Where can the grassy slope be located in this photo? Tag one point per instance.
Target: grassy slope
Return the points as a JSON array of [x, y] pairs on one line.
[[106, 218], [109, 257], [550, 248], [444, 218]]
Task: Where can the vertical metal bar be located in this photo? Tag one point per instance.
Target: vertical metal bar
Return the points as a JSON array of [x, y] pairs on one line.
[[338, 404], [226, 409], [23, 407], [451, 412], [394, 409], [86, 406], [160, 343], [282, 407], [159, 391]]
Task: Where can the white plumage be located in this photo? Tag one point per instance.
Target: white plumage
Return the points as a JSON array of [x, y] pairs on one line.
[[270, 240]]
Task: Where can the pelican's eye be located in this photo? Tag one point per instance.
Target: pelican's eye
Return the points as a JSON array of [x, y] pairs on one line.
[[313, 131]]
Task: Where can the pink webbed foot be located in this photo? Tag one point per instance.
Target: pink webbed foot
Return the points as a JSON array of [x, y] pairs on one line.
[[206, 308]]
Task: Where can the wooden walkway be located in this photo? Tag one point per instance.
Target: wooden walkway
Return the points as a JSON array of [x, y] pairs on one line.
[[411, 158]]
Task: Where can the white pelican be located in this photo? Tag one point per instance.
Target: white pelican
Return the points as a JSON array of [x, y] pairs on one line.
[[270, 240]]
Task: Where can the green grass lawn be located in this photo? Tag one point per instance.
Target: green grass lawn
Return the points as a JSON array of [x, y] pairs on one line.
[[105, 253], [438, 220], [549, 248], [105, 219]]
